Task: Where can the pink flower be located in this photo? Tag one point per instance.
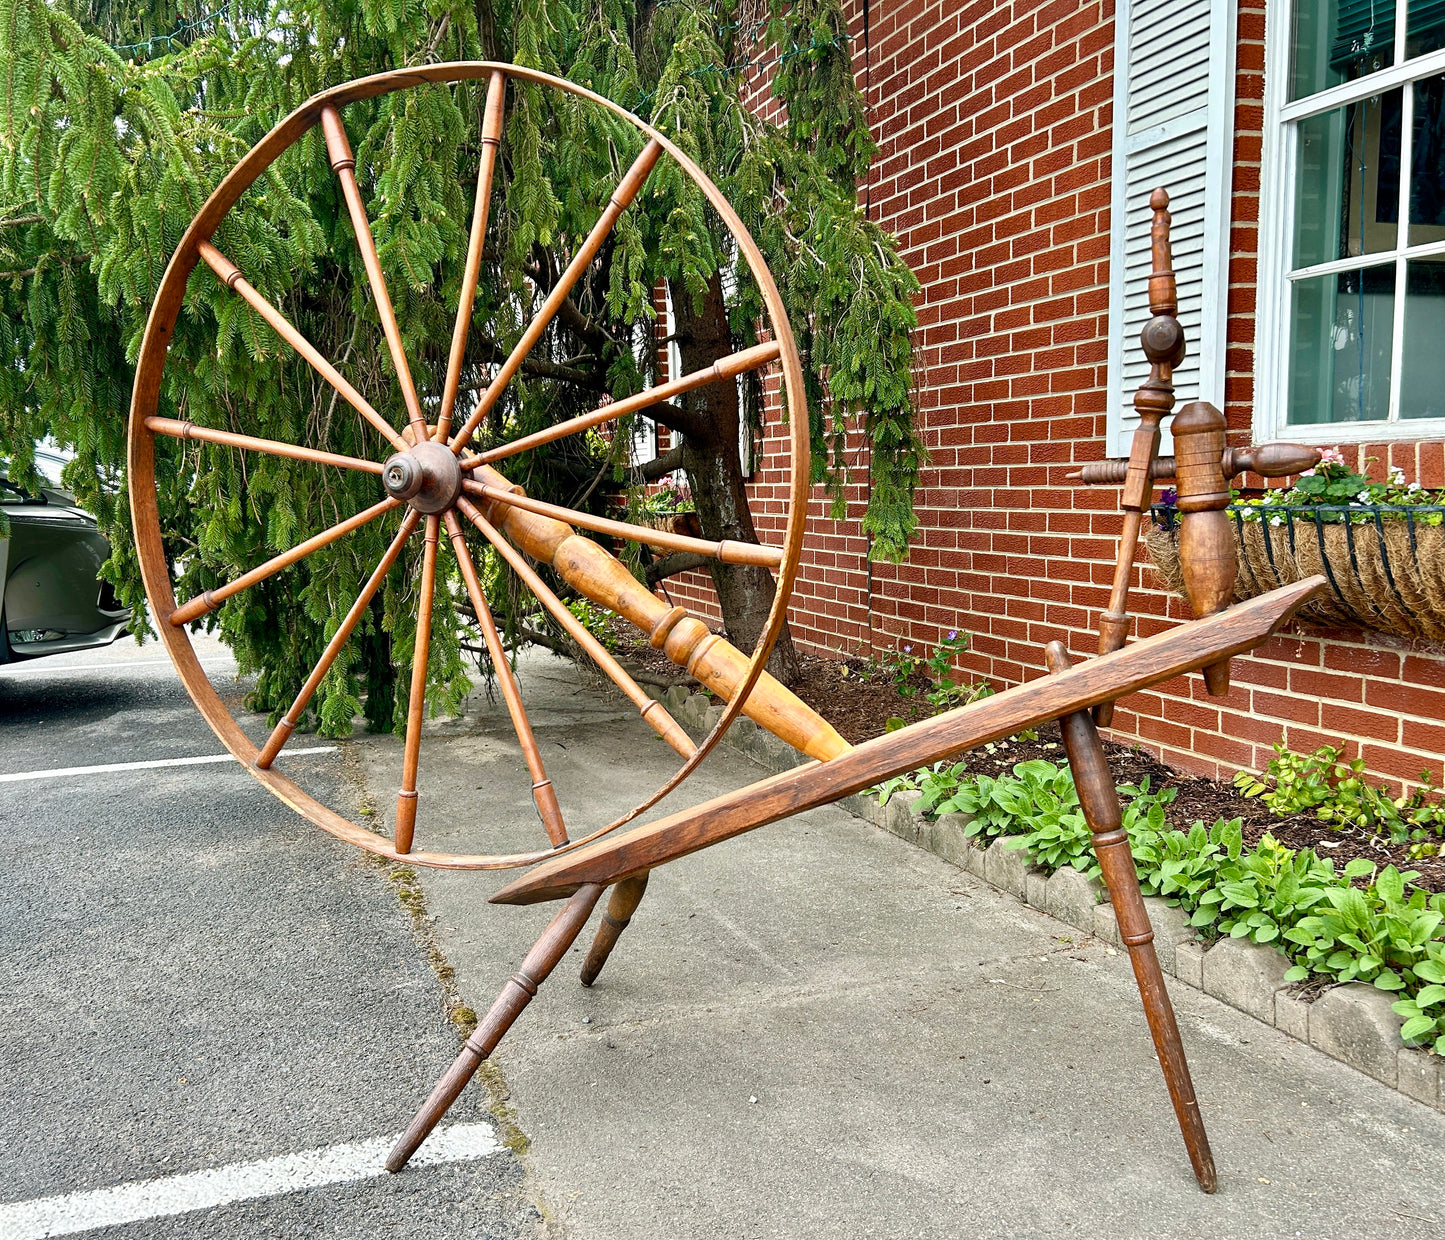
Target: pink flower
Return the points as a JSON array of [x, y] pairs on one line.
[[1332, 456]]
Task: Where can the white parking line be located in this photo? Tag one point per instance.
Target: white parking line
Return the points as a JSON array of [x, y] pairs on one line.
[[204, 1190], [26, 667], [61, 772]]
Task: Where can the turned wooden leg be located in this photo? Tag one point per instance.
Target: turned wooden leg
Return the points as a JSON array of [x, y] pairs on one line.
[[1099, 799], [515, 996], [625, 898]]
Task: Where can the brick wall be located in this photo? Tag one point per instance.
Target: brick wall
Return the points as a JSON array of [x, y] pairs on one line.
[[994, 122]]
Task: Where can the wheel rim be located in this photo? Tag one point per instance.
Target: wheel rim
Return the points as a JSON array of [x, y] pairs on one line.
[[432, 491]]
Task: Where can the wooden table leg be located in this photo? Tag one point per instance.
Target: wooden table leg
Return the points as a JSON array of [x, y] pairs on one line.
[[518, 992], [1099, 799], [623, 902]]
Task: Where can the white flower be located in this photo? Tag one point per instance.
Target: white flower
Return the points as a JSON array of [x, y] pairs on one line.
[[1363, 497], [1397, 477], [1413, 487], [1276, 520]]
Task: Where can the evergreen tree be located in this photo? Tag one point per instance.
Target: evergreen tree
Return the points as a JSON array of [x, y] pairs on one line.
[[118, 121]]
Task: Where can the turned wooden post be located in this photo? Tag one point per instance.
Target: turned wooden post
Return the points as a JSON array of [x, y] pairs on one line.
[[1099, 799], [1207, 556], [717, 664], [623, 902], [516, 994], [1163, 341], [1268, 460]]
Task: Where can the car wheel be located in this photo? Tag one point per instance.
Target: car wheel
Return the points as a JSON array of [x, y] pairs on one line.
[[4, 639]]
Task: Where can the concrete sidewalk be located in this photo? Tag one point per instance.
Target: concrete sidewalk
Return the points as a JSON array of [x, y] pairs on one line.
[[819, 1030]]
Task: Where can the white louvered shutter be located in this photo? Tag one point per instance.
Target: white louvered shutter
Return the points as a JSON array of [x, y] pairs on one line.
[[1173, 127]]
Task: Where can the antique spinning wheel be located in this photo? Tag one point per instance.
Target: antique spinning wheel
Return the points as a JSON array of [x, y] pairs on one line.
[[429, 480]]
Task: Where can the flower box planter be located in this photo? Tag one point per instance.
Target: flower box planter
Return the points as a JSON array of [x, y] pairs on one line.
[[1385, 563], [674, 523]]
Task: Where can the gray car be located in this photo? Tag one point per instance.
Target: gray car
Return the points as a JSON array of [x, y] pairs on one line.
[[53, 599]]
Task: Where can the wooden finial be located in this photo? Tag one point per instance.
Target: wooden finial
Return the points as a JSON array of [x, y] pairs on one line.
[[1163, 341]]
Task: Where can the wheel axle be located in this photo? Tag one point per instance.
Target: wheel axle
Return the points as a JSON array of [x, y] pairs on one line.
[[428, 477]]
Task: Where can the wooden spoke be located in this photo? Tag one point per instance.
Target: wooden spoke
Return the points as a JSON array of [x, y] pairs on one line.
[[728, 367], [626, 191], [177, 429], [211, 599], [344, 164], [728, 551], [230, 275], [656, 715], [491, 138], [288, 724], [416, 704], [543, 793]]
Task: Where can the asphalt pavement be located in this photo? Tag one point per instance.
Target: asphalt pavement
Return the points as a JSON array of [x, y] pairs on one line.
[[193, 979]]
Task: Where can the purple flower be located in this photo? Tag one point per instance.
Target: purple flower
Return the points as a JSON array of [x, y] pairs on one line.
[[952, 633], [1169, 497], [907, 649]]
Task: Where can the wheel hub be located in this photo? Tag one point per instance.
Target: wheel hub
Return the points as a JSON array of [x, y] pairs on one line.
[[428, 477]]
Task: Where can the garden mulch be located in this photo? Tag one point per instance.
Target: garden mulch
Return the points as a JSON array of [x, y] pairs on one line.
[[859, 700]]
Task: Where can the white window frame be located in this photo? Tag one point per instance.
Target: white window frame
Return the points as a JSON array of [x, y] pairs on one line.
[[1276, 235], [1214, 117]]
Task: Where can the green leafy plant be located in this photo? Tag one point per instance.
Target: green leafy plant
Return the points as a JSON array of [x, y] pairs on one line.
[[904, 664], [596, 620], [891, 787], [1257, 895], [667, 501], [1377, 934], [1351, 925], [947, 693], [1335, 791], [1335, 488]]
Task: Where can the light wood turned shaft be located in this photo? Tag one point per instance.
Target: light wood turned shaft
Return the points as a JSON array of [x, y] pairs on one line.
[[1207, 556], [406, 797], [1099, 800], [1163, 342], [687, 641], [343, 162], [491, 139], [516, 994], [623, 902]]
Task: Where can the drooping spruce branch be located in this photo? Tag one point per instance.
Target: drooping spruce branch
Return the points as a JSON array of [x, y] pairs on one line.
[[116, 122]]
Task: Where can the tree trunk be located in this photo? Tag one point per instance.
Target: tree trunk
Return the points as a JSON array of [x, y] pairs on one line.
[[710, 457]]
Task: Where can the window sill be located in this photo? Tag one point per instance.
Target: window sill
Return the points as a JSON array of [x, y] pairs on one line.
[[1332, 433]]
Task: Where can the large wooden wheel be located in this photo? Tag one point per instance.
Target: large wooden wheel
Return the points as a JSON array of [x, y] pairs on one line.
[[429, 483]]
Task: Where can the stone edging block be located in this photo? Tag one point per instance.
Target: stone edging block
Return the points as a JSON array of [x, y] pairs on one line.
[[1354, 1024], [1070, 895], [1245, 975]]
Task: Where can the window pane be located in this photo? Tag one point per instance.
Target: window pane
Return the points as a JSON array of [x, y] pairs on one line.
[[1427, 163], [1427, 27], [1422, 386], [1339, 40], [1347, 181], [1340, 348]]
